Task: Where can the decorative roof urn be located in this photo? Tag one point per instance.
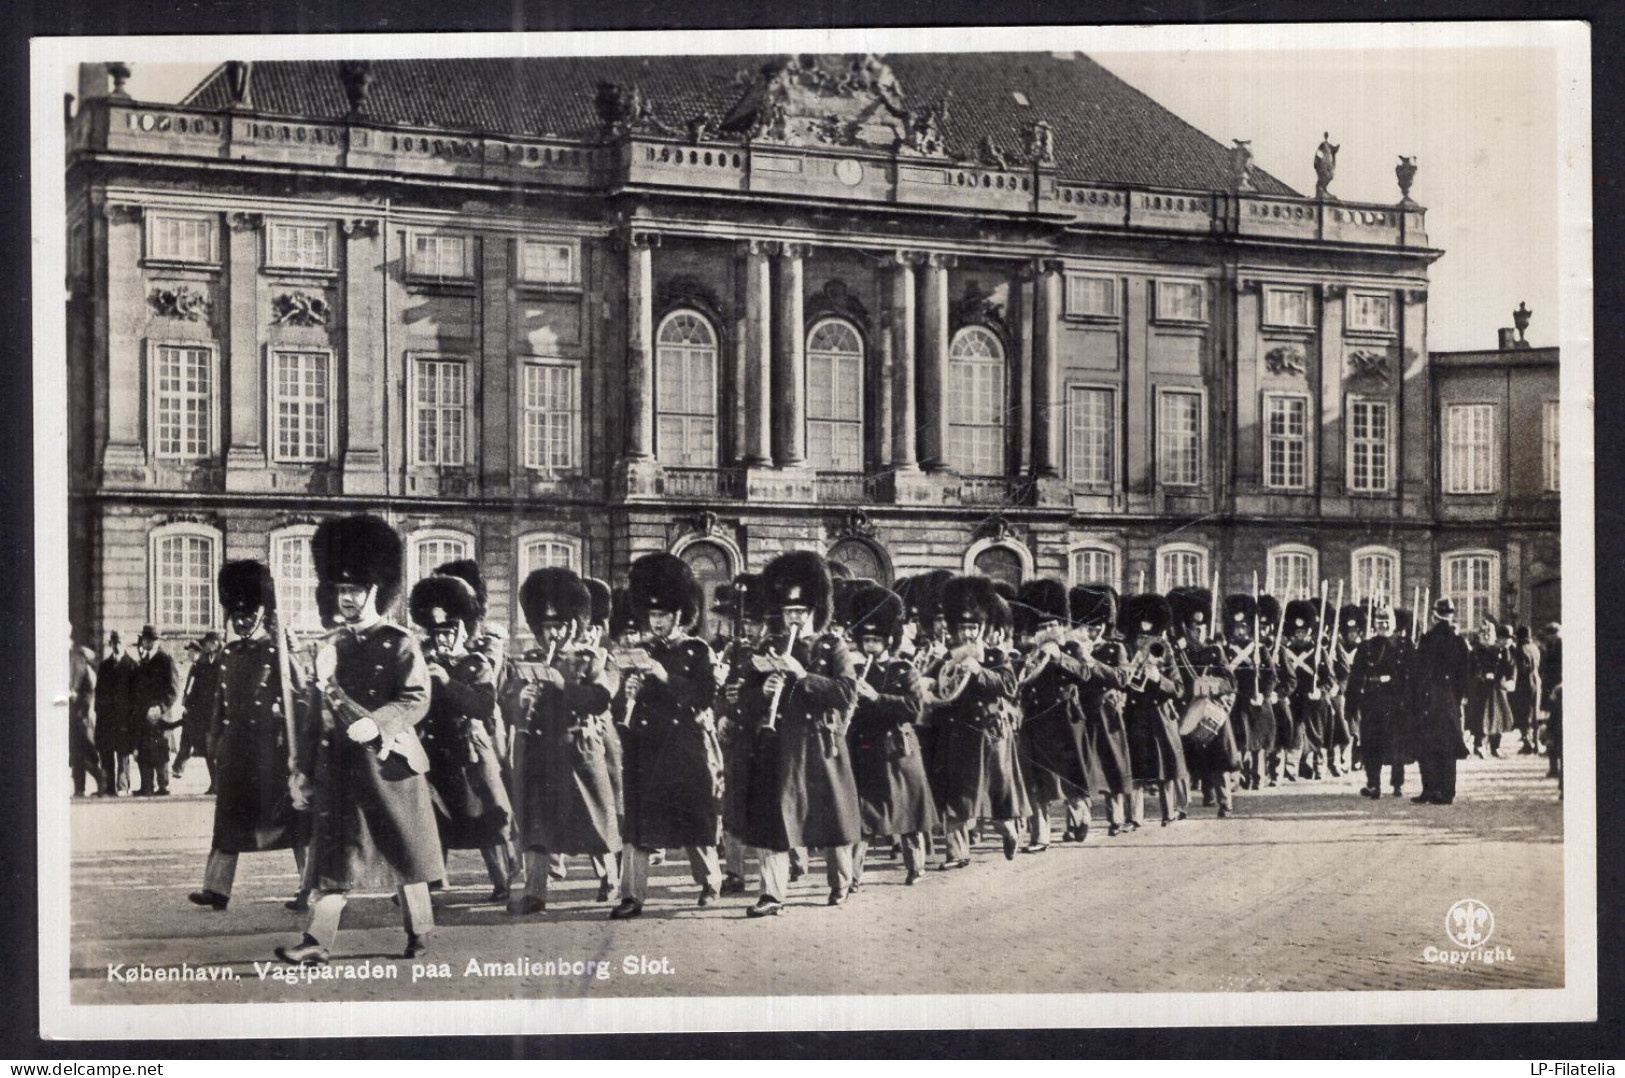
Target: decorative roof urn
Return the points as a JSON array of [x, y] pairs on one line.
[[1405, 172]]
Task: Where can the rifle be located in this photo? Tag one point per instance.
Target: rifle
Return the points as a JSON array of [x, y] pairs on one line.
[[284, 670], [1416, 616], [1320, 640]]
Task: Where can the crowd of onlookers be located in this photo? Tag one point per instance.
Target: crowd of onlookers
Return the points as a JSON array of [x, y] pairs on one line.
[[122, 729]]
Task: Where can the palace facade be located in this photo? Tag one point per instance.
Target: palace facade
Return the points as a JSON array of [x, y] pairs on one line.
[[999, 313]]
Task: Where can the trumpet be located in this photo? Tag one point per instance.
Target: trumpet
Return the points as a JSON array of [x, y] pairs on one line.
[[955, 673], [1139, 672]]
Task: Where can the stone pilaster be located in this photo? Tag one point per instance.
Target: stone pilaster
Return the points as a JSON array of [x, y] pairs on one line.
[[932, 366], [1047, 407], [639, 472], [757, 390], [125, 456], [365, 364], [247, 455]]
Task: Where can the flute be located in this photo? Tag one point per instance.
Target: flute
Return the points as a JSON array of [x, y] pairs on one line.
[[772, 722]]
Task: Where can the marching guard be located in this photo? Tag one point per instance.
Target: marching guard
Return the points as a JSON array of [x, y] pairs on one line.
[[672, 761], [1058, 755], [258, 685], [1441, 675], [1311, 674], [1344, 739], [1378, 693], [799, 790], [1093, 609], [1155, 754], [974, 713], [471, 803], [563, 769], [738, 716], [360, 762], [1209, 692], [894, 796], [1252, 714]]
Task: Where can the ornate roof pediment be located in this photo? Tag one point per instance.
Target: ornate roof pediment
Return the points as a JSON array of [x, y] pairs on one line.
[[833, 100]]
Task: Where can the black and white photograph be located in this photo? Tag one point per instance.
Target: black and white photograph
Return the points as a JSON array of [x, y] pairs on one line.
[[839, 529]]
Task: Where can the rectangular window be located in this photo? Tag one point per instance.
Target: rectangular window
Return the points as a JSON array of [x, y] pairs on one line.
[[1286, 442], [1472, 580], [428, 551], [1469, 433], [181, 238], [183, 377], [549, 262], [1368, 446], [183, 575], [300, 246], [835, 411], [1287, 307], [1181, 301], [1094, 565], [440, 411], [300, 395], [551, 415], [1091, 435], [1550, 424], [295, 571], [1371, 312], [1291, 574], [1179, 438], [440, 256], [1091, 297]]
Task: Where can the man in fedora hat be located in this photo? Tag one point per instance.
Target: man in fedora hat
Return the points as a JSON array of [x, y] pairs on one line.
[[152, 694], [115, 735], [1438, 686], [198, 703]]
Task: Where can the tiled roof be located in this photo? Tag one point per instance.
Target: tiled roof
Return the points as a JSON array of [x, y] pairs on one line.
[[1105, 130]]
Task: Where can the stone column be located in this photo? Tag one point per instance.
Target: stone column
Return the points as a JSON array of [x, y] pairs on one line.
[[1047, 408], [933, 362], [497, 381], [1414, 452], [789, 359], [904, 314], [246, 374], [118, 337], [757, 388], [366, 277], [640, 371], [1326, 416]]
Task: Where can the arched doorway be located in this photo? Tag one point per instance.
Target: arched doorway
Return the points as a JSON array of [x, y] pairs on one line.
[[862, 559], [713, 567], [1000, 563]]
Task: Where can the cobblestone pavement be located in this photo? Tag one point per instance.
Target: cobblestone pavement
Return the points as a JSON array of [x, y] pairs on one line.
[[1309, 888]]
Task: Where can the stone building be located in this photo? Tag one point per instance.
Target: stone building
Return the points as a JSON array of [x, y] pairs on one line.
[[983, 312]]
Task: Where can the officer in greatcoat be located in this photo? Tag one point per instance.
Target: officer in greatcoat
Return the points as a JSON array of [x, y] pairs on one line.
[[894, 796], [115, 730], [1438, 684], [253, 808], [1378, 692], [799, 790], [471, 804], [673, 763], [153, 691], [1093, 609], [562, 767], [1058, 755], [360, 762], [198, 702], [975, 715]]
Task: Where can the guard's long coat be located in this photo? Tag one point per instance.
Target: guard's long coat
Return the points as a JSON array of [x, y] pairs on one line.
[[894, 796], [564, 789], [253, 809], [673, 763], [1059, 758], [471, 802], [976, 763], [1379, 690]]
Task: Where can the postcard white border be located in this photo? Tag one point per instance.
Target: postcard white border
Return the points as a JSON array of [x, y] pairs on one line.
[[1576, 1001]]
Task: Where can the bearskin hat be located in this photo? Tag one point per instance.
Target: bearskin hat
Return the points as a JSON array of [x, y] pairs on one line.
[[928, 601], [1042, 599], [1003, 620], [1147, 613], [841, 588], [1301, 614], [599, 592], [1404, 621], [246, 586], [361, 549], [724, 600], [1269, 610], [752, 597], [1352, 616], [800, 578], [621, 618], [838, 571], [442, 600], [1241, 608], [1093, 604], [468, 571], [1191, 606], [554, 594], [971, 598], [876, 611], [662, 581]]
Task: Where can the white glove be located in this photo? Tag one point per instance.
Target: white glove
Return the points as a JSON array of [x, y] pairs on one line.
[[299, 791], [363, 730]]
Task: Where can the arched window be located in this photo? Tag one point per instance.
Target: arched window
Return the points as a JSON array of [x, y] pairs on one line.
[[975, 402], [1473, 579], [1181, 565], [713, 567], [541, 550], [686, 391], [433, 547], [295, 573], [184, 561], [862, 558], [1294, 570], [1376, 575], [1095, 563], [835, 397]]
